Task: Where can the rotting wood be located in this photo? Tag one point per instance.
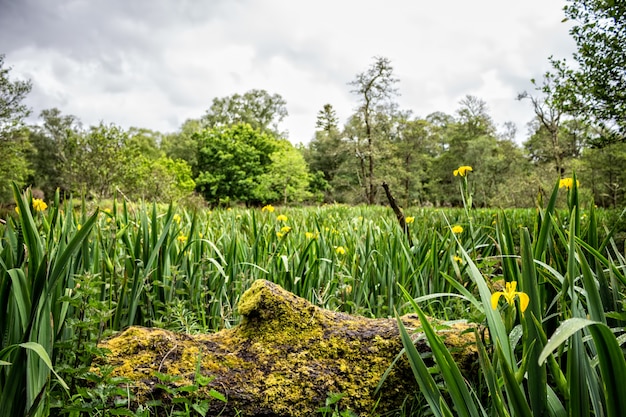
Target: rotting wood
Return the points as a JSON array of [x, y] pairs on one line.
[[284, 359]]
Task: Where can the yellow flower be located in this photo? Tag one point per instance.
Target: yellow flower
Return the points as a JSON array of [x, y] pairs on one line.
[[107, 210], [281, 218], [17, 209], [462, 170], [409, 219], [39, 205], [78, 227], [182, 238], [285, 229], [348, 289], [310, 235], [457, 229], [457, 259], [509, 295], [269, 208], [340, 250], [279, 234], [177, 218], [568, 183]]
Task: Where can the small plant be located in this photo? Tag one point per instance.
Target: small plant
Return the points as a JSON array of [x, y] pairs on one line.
[[331, 408]]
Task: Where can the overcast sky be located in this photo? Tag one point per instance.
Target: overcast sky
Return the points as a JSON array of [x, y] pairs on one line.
[[156, 63]]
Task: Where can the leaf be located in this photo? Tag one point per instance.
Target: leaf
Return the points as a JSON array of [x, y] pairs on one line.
[[563, 333], [40, 351]]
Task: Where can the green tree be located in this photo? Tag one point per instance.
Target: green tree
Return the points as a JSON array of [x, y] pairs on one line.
[[594, 88], [326, 152], [472, 123], [375, 88], [99, 161], [257, 108], [602, 171], [13, 137], [549, 114], [555, 149], [415, 149], [286, 178], [162, 179], [182, 144], [52, 142], [146, 141], [231, 160]]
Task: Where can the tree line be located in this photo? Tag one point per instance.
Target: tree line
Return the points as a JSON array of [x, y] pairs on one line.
[[236, 152]]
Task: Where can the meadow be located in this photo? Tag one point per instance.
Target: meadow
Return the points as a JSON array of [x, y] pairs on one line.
[[547, 284]]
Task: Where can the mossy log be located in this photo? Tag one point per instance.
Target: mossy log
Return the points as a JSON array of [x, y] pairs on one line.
[[283, 359]]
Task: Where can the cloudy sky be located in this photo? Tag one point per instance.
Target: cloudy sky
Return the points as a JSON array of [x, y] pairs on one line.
[[156, 63]]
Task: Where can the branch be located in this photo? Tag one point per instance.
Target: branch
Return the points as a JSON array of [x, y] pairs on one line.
[[399, 214]]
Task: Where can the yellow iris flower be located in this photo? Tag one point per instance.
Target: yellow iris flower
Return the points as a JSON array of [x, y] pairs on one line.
[[39, 204], [269, 208], [457, 229], [509, 295], [409, 219], [462, 170], [281, 218], [568, 183]]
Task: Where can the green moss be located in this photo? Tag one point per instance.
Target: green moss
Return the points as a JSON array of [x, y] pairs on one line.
[[284, 358]]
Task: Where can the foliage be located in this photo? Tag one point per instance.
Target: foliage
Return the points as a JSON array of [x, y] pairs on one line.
[[161, 179], [563, 274], [257, 108], [95, 272], [231, 161], [286, 179], [13, 139], [53, 151], [182, 145], [375, 88], [595, 86]]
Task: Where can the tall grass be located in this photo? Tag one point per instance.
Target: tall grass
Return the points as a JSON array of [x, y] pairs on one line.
[[73, 274], [570, 358]]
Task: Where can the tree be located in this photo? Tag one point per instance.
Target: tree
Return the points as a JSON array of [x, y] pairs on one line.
[[286, 178], [595, 88], [52, 142], [375, 88], [415, 148], [13, 137], [326, 152], [161, 179], [230, 161], [549, 114], [182, 145], [471, 124], [602, 172], [257, 108], [146, 141], [542, 149], [99, 161]]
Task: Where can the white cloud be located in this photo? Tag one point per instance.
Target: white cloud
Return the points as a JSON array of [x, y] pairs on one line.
[[156, 63]]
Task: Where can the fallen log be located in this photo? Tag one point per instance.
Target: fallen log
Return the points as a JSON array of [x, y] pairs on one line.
[[283, 359]]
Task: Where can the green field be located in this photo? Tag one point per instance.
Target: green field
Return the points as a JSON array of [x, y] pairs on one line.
[[72, 274]]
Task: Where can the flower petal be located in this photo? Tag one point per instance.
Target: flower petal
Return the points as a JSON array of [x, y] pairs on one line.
[[494, 299], [524, 300]]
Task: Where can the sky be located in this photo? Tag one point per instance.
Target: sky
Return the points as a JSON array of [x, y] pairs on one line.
[[156, 63]]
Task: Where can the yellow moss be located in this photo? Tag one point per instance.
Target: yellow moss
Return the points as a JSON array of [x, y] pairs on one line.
[[283, 359]]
